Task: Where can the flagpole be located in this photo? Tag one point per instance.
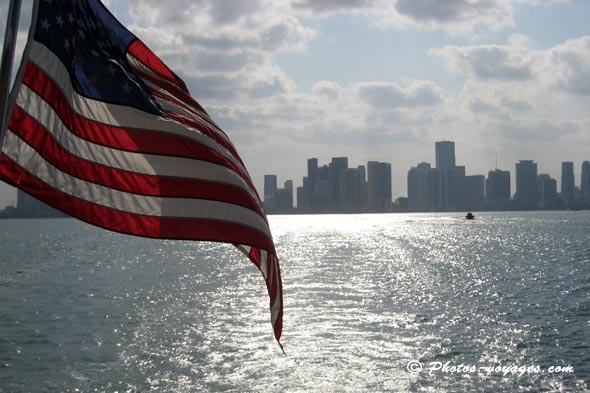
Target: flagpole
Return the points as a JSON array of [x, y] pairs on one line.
[[7, 59]]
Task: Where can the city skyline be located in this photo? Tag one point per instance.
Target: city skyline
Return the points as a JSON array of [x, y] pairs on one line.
[[377, 80], [445, 187]]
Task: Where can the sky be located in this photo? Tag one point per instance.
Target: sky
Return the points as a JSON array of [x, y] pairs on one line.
[[377, 80]]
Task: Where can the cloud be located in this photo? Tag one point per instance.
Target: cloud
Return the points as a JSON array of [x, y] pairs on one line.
[[568, 66], [386, 95], [326, 90], [488, 62], [444, 11], [330, 6], [477, 105], [531, 129]]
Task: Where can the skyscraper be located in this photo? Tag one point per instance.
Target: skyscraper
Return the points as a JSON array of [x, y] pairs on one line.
[[473, 192], [585, 181], [568, 187], [445, 163], [423, 187], [379, 185], [350, 190], [270, 187], [384, 186], [498, 189], [445, 155], [546, 192], [373, 184], [337, 166], [526, 184]]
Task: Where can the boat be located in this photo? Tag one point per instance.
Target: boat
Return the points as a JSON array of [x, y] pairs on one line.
[[470, 216]]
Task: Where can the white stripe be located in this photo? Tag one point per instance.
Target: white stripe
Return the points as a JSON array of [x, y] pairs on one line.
[[146, 164], [263, 263], [137, 64], [196, 113], [193, 109], [25, 156], [276, 306], [113, 114]]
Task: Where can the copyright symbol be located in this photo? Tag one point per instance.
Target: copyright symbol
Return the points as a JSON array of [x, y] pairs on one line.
[[414, 367]]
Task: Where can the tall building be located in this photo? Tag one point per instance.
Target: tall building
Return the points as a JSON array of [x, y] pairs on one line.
[[312, 172], [546, 192], [384, 186], [445, 155], [585, 181], [373, 185], [337, 166], [473, 192], [364, 187], [459, 188], [498, 189], [568, 188], [423, 188], [270, 187], [379, 186], [350, 190], [445, 163], [526, 184], [277, 200]]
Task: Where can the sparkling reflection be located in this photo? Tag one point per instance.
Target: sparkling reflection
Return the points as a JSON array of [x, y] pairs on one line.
[[364, 295]]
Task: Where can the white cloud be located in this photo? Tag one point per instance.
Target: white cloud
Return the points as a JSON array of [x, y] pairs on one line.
[[567, 66], [385, 95], [489, 62]]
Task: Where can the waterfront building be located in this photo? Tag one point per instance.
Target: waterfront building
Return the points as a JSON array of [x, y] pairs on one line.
[[445, 163], [526, 184], [568, 188], [498, 189]]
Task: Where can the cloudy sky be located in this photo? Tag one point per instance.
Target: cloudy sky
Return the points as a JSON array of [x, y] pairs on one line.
[[378, 80]]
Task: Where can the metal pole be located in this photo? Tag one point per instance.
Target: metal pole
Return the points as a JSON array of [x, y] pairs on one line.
[[7, 58]]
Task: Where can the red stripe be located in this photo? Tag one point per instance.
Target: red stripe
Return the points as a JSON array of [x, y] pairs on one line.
[[132, 224], [187, 121], [143, 141], [144, 54], [201, 117], [172, 89], [35, 135]]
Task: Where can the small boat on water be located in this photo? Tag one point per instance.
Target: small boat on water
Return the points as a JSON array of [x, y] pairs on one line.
[[470, 216]]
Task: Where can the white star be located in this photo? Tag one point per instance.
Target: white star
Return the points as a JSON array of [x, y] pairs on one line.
[[111, 70], [82, 35], [45, 24], [67, 43], [70, 18], [126, 88], [95, 53], [59, 20]]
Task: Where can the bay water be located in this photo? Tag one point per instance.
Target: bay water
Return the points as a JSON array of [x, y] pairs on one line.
[[388, 302]]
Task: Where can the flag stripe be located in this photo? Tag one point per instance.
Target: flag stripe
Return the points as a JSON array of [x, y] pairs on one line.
[[150, 141], [143, 54], [103, 130], [117, 115], [51, 150], [53, 94], [133, 224], [131, 161], [146, 73], [163, 94], [24, 155]]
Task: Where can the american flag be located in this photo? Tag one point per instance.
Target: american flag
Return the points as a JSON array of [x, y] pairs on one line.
[[104, 131]]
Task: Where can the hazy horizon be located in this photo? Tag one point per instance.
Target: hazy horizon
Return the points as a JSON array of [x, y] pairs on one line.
[[384, 80]]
